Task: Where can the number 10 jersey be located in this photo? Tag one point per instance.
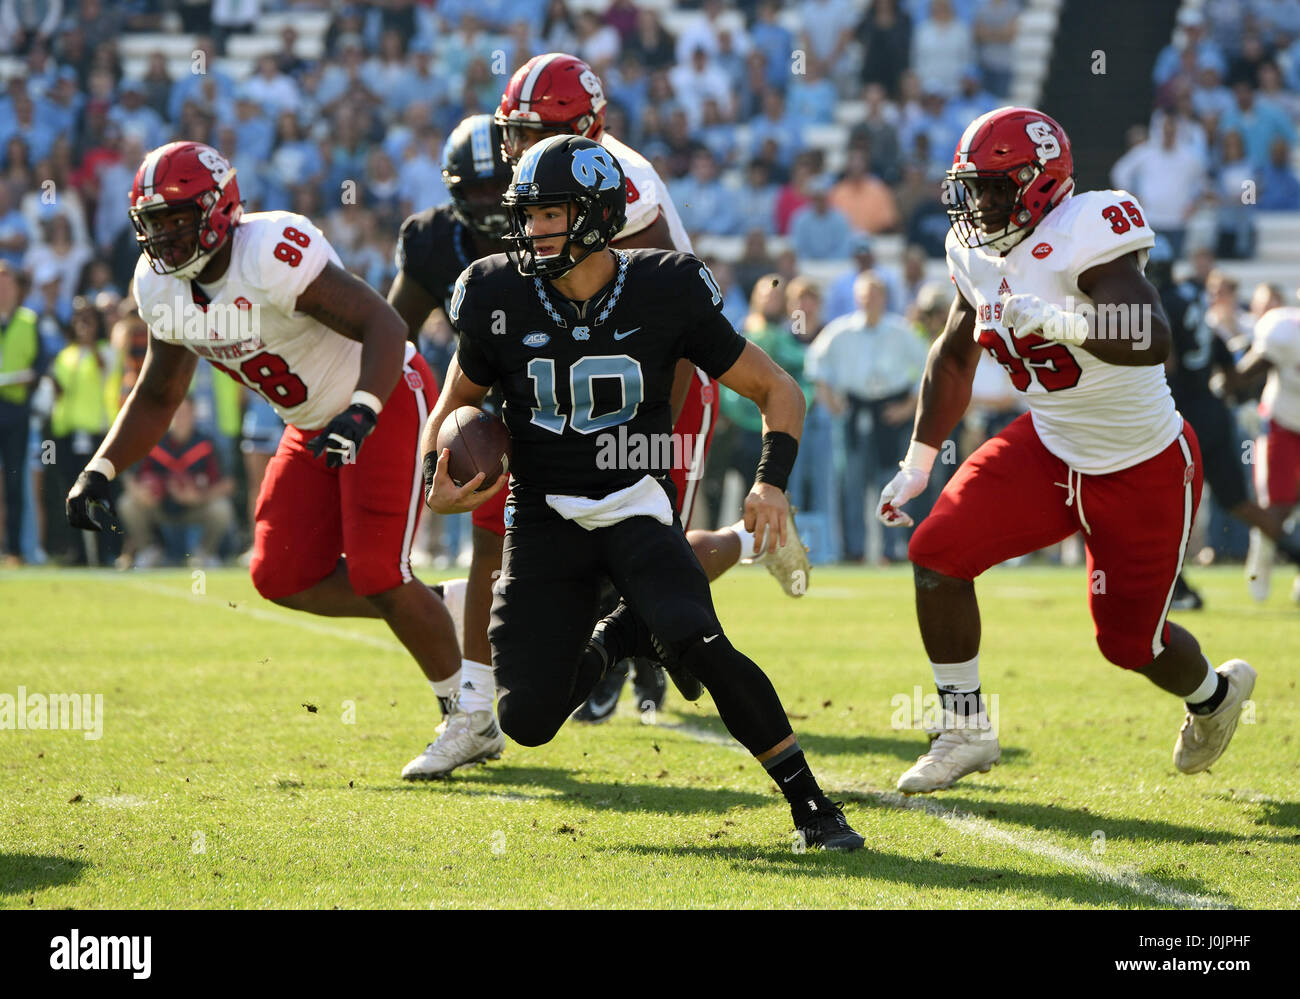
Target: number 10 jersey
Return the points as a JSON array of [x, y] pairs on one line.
[[1095, 416]]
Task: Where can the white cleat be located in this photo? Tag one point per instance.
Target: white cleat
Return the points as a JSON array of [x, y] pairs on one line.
[[789, 564], [468, 738], [953, 754], [1203, 738], [1259, 564]]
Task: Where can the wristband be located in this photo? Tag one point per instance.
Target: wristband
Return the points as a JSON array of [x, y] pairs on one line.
[[368, 399], [920, 457], [777, 462], [103, 466]]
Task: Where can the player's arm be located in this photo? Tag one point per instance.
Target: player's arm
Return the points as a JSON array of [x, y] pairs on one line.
[[412, 303], [140, 424], [657, 236], [944, 397], [1118, 287], [781, 401], [351, 308], [442, 495]]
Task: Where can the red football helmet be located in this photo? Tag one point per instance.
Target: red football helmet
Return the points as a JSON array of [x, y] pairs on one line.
[[1012, 166], [174, 180], [554, 93]]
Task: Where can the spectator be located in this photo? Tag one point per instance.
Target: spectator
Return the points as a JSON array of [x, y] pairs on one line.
[[754, 260], [22, 362], [877, 133], [234, 17], [652, 45], [1279, 190], [133, 116], [827, 29], [885, 33], [811, 96], [37, 136], [157, 83], [772, 45], [840, 300], [1168, 180], [863, 198], [1192, 21], [180, 483], [59, 258], [705, 205], [23, 25], [819, 231], [756, 201], [113, 180], [559, 31], [14, 233], [866, 366], [972, 100], [1245, 63], [775, 124], [207, 83], [598, 43], [1259, 124], [273, 91], [288, 61], [700, 79], [1273, 91], [700, 32], [941, 49], [995, 33]]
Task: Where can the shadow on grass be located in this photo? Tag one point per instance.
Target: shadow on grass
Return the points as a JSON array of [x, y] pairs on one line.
[[916, 874], [1082, 822], [1282, 813], [511, 783], [24, 872]]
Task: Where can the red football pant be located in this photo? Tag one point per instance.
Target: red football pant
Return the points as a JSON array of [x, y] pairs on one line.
[[696, 422], [1277, 466], [1013, 496], [308, 515]]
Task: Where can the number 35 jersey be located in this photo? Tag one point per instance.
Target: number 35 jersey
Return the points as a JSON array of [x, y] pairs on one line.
[[1095, 416], [246, 324], [585, 386]]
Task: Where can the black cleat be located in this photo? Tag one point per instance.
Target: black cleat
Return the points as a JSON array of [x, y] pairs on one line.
[[1185, 598], [828, 828], [603, 700], [649, 685]]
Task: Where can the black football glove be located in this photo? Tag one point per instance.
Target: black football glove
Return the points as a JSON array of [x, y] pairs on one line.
[[90, 505], [341, 439]]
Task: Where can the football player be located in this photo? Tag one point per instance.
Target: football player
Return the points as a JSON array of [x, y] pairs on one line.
[[586, 354], [1196, 355], [1051, 283], [555, 94], [1275, 350], [265, 299]]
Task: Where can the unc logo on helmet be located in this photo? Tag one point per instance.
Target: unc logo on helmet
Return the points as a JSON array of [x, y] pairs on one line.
[[593, 167]]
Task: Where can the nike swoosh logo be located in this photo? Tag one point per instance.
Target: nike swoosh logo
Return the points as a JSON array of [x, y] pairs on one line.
[[791, 777], [709, 639], [620, 335]]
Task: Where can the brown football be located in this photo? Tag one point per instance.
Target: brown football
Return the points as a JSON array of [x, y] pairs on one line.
[[479, 442]]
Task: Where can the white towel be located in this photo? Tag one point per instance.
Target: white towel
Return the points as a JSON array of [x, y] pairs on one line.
[[645, 498]]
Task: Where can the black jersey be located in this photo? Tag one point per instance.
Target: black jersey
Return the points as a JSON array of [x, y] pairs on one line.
[[433, 247], [585, 385], [1197, 350]]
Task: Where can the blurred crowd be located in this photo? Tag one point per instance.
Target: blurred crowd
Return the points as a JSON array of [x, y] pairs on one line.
[[728, 108]]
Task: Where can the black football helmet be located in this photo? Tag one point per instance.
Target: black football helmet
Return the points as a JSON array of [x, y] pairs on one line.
[[476, 175], [563, 170]]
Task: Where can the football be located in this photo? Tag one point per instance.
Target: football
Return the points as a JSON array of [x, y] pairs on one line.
[[479, 442]]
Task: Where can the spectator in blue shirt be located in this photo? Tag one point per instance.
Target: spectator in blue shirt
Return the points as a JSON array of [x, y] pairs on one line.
[[775, 124], [704, 204], [1258, 123], [1192, 22], [1279, 190], [132, 114], [818, 231], [811, 97], [14, 232], [38, 135], [205, 82]]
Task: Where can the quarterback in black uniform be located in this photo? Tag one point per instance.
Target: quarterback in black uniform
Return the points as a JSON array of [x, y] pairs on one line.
[[1197, 353], [584, 341]]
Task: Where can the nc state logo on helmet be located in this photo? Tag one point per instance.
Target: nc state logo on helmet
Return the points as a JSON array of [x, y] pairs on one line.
[[184, 205], [1012, 166], [585, 178], [554, 92]]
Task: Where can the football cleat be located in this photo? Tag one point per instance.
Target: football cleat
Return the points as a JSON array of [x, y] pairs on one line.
[[468, 738], [603, 700], [1185, 598], [828, 828], [789, 564], [649, 685], [1203, 738], [953, 754], [1259, 564]]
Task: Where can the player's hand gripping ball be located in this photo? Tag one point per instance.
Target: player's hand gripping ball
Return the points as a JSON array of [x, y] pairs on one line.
[[467, 463]]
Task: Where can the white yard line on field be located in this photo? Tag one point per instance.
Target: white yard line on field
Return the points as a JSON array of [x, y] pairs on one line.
[[973, 825]]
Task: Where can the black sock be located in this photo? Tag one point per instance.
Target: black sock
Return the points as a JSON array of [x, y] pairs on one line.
[[437, 590], [1212, 702], [963, 705], [791, 773]]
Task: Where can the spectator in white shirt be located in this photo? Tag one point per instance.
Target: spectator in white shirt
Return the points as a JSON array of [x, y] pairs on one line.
[[1168, 180], [942, 47], [697, 80]]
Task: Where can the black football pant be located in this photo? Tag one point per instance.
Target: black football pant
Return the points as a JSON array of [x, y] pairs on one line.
[[545, 605]]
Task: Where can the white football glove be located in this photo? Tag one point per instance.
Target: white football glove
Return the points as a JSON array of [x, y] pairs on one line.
[[1026, 314], [912, 478]]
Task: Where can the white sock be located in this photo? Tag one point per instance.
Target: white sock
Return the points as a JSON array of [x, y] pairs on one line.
[[446, 691], [477, 686], [746, 540], [1207, 688], [959, 678]]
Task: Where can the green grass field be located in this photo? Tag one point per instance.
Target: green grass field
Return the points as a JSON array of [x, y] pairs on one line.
[[213, 785]]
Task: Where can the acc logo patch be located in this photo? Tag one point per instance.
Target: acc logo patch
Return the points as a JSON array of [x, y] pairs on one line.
[[414, 381], [537, 339], [1041, 250]]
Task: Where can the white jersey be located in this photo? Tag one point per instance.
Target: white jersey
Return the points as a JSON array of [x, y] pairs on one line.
[[250, 328], [1094, 416], [647, 195], [1277, 337]]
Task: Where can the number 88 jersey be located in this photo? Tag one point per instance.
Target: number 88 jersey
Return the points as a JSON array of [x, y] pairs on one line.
[[1095, 416], [247, 325]]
